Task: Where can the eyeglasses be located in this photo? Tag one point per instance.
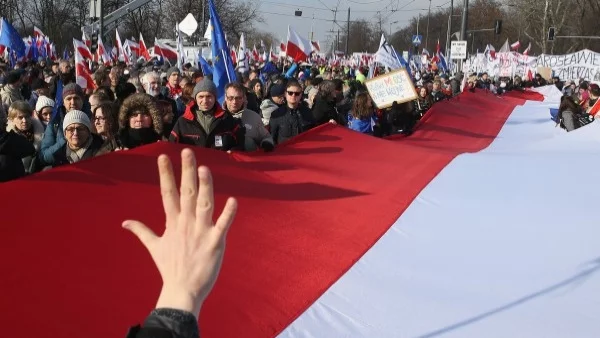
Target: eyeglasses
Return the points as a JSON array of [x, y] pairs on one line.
[[294, 93], [234, 98], [79, 130]]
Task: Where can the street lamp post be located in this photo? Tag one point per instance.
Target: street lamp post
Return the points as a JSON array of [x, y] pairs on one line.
[[391, 23]]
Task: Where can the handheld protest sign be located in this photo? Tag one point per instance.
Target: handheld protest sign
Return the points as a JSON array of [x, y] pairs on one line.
[[392, 87]]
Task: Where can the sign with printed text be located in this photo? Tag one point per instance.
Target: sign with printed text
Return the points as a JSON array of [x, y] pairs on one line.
[[392, 87], [458, 50]]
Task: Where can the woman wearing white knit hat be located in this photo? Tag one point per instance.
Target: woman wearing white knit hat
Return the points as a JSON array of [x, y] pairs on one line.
[[81, 143], [43, 109]]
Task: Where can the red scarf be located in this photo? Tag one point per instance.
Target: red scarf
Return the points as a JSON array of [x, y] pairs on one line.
[[174, 93]]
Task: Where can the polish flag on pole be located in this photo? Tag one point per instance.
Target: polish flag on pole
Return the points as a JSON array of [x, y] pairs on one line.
[[298, 48], [82, 72], [122, 55], [38, 32], [515, 46], [164, 50], [527, 50], [102, 52], [86, 40], [143, 49], [316, 47], [83, 50]]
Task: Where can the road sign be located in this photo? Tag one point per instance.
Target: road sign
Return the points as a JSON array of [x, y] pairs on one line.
[[458, 50], [416, 39]]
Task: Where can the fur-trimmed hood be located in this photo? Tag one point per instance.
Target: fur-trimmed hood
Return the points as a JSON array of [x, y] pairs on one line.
[[38, 131], [142, 102]]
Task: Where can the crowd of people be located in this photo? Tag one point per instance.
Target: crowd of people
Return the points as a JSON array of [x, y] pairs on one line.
[[47, 120]]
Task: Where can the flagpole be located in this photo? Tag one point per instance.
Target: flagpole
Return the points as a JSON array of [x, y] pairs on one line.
[[225, 63]]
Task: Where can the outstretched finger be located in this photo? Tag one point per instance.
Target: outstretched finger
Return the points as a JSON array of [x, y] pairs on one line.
[[142, 232], [189, 183], [206, 199], [227, 216], [168, 189]]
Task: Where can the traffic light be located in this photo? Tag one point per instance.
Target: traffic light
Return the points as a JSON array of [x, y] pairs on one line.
[[298, 13], [94, 45], [551, 33], [498, 27]]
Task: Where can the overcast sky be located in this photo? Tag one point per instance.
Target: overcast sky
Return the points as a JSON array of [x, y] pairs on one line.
[[278, 14]]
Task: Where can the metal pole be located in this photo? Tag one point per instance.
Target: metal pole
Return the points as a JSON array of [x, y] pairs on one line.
[[100, 20], [448, 36], [337, 42], [348, 31], [312, 25], [203, 18], [465, 20], [428, 19]]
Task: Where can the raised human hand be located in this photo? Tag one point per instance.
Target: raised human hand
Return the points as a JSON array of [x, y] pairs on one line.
[[190, 252]]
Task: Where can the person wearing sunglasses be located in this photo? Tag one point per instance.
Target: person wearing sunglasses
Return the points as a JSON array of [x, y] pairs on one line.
[[292, 118]]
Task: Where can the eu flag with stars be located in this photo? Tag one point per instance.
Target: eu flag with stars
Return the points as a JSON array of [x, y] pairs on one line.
[[223, 71], [10, 38]]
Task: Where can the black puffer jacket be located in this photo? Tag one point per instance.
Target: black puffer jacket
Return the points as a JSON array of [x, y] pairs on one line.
[[13, 147], [286, 123]]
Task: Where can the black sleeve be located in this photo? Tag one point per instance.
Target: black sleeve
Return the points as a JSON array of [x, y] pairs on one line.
[[175, 134], [167, 323], [274, 128]]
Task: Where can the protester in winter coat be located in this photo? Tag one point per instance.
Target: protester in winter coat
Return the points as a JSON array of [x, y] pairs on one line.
[[568, 114], [292, 118], [140, 121], [20, 121], [54, 138], [13, 148], [43, 110], [11, 91], [105, 120], [206, 124], [436, 93], [424, 102], [256, 134], [324, 109], [362, 118], [81, 143], [276, 100]]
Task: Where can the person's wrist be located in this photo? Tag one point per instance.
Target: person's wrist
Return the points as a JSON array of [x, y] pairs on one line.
[[179, 299]]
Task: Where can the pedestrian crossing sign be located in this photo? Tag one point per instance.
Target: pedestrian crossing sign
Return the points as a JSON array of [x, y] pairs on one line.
[[416, 40]]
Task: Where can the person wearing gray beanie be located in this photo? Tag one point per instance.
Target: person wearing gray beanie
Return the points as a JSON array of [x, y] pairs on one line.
[[206, 85], [206, 124], [77, 117], [81, 143]]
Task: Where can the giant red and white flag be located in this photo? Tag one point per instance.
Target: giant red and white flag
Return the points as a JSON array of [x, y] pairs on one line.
[[459, 230], [297, 48]]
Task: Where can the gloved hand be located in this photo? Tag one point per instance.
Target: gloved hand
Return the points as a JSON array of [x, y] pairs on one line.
[[267, 146]]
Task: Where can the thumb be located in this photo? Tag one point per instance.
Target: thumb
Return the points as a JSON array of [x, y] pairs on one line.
[[141, 231]]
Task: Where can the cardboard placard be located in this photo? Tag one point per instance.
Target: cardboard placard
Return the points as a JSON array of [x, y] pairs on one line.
[[392, 87]]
